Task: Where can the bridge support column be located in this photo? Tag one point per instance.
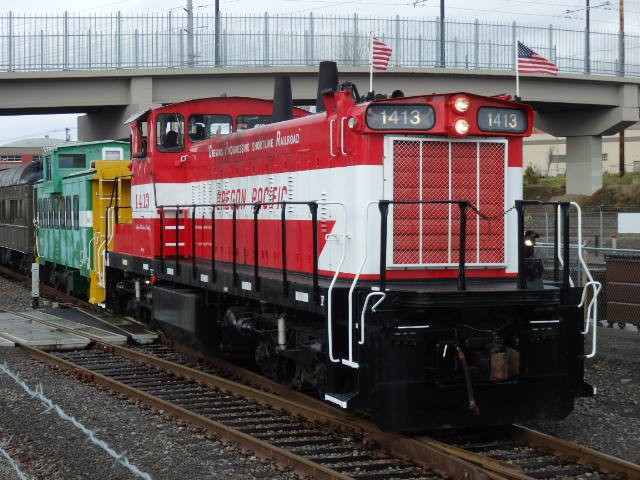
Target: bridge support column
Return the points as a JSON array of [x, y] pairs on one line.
[[584, 164], [108, 123]]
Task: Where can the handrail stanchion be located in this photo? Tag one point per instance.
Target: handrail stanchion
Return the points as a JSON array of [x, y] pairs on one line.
[[213, 244], [313, 206], [161, 208], [234, 237], [177, 240], [566, 274], [256, 278], [462, 279], [521, 281], [283, 232], [383, 206], [193, 241]]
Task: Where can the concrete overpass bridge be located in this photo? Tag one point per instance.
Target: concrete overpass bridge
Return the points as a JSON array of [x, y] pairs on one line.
[[583, 108]]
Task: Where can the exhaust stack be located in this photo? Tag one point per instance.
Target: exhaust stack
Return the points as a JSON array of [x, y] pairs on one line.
[[282, 99], [327, 80]]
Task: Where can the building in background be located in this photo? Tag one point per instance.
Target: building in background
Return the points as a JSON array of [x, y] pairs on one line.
[[25, 151], [548, 154]]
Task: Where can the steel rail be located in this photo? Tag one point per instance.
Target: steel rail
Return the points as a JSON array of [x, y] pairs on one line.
[[603, 463], [584, 455], [439, 462], [261, 448], [397, 444]]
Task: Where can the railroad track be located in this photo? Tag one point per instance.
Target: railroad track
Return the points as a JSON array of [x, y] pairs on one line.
[[518, 453], [310, 441], [316, 439]]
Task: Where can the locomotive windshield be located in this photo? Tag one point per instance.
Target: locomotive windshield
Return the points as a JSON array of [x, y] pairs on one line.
[[170, 132]]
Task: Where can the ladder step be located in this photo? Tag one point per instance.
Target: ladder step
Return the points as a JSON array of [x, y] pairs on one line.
[[340, 399]]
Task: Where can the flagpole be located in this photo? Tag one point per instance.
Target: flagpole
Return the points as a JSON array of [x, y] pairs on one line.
[[517, 71], [371, 62]]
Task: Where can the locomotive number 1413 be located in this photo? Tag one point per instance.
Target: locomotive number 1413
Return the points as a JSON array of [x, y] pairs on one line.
[[510, 120], [400, 117]]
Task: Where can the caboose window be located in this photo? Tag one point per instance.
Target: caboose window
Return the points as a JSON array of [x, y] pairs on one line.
[[68, 211], [76, 212], [170, 132], [206, 125], [72, 160]]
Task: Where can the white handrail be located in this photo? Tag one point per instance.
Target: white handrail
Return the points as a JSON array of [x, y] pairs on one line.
[[592, 313], [350, 361], [334, 279], [331, 123], [373, 309]]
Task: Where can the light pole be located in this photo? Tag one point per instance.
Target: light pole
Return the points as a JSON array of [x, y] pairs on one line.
[[442, 33], [587, 46], [217, 34], [621, 73], [190, 52]]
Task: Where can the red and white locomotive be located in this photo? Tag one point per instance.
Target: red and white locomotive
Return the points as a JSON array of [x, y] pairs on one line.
[[371, 251]]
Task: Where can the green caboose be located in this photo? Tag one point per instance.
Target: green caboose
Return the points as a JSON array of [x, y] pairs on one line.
[[66, 201]]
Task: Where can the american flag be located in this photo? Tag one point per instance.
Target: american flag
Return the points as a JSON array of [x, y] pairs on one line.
[[380, 54], [530, 62]]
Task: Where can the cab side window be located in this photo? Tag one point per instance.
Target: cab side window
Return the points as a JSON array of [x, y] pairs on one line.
[[207, 125], [170, 132]]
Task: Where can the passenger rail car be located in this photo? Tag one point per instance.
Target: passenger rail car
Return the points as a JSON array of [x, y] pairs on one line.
[[372, 251], [17, 230]]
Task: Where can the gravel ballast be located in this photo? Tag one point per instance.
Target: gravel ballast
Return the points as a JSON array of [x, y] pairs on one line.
[[48, 447]]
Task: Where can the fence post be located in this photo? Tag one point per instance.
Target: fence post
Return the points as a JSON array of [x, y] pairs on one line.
[[65, 49], [312, 38], [10, 43], [551, 48], [41, 49], [355, 40], [136, 51], [266, 38], [476, 42], [396, 58], [514, 38], [169, 42], [119, 40]]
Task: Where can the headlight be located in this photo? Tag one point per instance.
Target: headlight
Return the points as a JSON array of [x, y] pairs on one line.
[[461, 103], [461, 126]]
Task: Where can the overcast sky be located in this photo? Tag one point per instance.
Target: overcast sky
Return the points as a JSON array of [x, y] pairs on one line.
[[561, 13]]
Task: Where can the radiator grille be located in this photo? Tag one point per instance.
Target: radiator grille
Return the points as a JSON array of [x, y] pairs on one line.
[[429, 234]]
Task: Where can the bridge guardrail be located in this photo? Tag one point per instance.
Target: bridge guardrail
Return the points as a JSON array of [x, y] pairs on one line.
[[175, 40]]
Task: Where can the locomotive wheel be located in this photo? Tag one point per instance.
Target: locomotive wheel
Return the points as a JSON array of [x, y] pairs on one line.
[[609, 324], [621, 325]]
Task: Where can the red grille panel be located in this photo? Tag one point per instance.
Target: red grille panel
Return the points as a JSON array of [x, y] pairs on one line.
[[429, 234]]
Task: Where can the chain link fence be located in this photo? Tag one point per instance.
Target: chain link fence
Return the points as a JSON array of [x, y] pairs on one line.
[[613, 258], [170, 40]]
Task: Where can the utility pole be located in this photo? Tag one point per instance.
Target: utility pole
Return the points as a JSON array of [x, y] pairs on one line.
[[217, 34], [587, 42], [622, 68], [190, 53], [442, 34]]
